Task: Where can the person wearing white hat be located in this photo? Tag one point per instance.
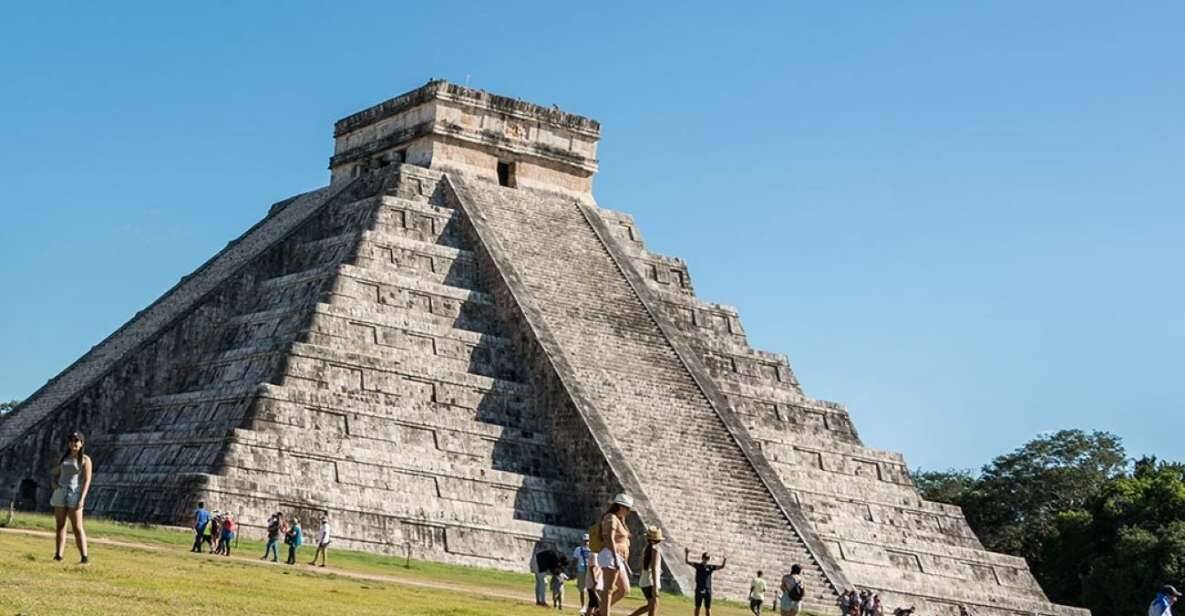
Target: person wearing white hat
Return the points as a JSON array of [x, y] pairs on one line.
[[1163, 604], [612, 558], [581, 556]]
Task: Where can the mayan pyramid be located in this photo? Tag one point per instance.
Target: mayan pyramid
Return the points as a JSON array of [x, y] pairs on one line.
[[451, 348]]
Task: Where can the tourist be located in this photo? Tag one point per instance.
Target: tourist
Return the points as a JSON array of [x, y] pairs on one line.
[[1162, 605], [904, 611], [208, 536], [614, 556], [594, 583], [216, 532], [866, 603], [71, 482], [229, 528], [845, 603], [651, 572], [201, 518], [756, 594], [274, 522], [580, 557], [879, 610], [293, 538], [857, 603], [793, 592], [546, 561], [322, 541], [558, 577], [703, 579]]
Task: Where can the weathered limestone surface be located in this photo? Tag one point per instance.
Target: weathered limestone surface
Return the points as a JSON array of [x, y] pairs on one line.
[[453, 350]]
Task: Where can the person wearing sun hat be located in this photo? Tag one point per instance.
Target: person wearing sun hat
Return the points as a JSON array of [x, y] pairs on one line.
[[651, 568], [612, 559], [1162, 605]]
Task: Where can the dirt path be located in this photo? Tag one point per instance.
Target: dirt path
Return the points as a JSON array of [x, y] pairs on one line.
[[372, 577]]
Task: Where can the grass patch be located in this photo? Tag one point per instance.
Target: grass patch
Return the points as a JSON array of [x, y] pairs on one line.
[[169, 579]]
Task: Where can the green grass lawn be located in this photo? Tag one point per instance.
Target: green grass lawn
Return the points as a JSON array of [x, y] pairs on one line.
[[163, 577]]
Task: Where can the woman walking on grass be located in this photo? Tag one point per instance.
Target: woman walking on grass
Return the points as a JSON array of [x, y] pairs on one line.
[[71, 482], [612, 558]]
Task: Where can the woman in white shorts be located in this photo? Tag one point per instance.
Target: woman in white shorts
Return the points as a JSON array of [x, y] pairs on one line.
[[71, 481], [612, 559]]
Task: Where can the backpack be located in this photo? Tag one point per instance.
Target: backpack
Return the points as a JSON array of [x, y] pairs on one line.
[[797, 592], [595, 543]]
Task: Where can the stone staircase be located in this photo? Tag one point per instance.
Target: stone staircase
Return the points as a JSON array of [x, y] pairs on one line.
[[698, 479]]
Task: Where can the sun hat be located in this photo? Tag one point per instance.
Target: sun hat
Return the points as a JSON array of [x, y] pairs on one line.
[[623, 499], [1169, 589], [584, 537], [654, 533]]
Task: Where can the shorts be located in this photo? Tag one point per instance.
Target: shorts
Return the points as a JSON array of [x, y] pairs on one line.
[[648, 592], [65, 497], [582, 580], [789, 604], [324, 545], [755, 605], [605, 559], [703, 598]]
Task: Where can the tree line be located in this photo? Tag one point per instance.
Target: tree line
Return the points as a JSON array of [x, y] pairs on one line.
[[1098, 529]]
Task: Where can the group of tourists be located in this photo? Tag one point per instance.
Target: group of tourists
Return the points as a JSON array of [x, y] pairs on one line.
[[219, 529], [600, 565], [865, 603], [216, 529]]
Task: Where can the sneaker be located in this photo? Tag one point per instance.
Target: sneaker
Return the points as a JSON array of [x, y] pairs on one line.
[[85, 559], [57, 557], [322, 565]]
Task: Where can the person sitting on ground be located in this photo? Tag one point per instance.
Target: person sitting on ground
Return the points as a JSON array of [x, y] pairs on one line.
[[904, 611], [229, 528], [756, 594], [294, 538], [201, 518], [558, 577], [613, 559], [703, 579], [651, 572], [546, 561], [274, 522], [580, 557], [1162, 605], [322, 541], [793, 592]]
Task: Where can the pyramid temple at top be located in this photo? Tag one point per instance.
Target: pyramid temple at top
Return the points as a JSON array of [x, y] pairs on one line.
[[451, 348]]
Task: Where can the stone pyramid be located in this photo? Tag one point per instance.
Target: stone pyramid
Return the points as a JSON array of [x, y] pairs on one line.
[[452, 350]]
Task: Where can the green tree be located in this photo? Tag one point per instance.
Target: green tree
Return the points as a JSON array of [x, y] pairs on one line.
[[6, 407]]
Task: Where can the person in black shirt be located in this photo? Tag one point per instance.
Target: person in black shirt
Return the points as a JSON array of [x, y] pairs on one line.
[[703, 580]]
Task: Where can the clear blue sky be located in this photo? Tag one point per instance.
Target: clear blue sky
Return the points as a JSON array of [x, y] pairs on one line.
[[963, 220]]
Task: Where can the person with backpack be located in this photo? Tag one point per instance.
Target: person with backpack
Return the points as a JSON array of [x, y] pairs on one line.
[[229, 529], [614, 552], [792, 592]]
